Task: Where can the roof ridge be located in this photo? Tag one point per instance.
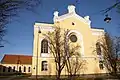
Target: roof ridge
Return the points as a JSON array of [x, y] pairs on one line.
[[17, 55]]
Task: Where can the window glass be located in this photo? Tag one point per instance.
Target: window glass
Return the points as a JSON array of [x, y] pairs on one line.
[[73, 38], [9, 69], [101, 66], [14, 69], [29, 69], [20, 69], [98, 48], [4, 68], [44, 46], [44, 66], [24, 69]]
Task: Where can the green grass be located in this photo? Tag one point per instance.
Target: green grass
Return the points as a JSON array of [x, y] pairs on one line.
[[3, 77]]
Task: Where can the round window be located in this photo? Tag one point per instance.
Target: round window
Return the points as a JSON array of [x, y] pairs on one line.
[[73, 38]]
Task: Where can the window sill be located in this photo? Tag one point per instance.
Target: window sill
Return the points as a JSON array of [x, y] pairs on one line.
[[45, 55]]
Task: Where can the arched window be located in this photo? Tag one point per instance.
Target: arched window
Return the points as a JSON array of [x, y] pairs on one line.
[[98, 48], [9, 69], [14, 69], [101, 66], [44, 66], [29, 69], [44, 46], [0, 68], [24, 69], [4, 68], [20, 69]]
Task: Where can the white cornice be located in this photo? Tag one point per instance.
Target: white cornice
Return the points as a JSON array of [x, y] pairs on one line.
[[44, 26], [97, 32], [102, 30]]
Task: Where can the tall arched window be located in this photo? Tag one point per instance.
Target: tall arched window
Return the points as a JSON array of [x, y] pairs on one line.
[[20, 69], [4, 68], [44, 46], [29, 69], [0, 68], [24, 69], [101, 66], [98, 48], [14, 69], [9, 69]]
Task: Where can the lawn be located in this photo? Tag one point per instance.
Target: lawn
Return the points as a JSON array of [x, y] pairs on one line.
[[28, 77]]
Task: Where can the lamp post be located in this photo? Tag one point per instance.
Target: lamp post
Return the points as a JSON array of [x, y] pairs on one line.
[[107, 19], [37, 53], [1, 46]]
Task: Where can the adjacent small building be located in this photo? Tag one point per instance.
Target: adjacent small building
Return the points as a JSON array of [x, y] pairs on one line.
[[12, 64]]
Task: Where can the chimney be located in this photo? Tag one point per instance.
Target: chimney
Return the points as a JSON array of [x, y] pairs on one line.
[[71, 9]]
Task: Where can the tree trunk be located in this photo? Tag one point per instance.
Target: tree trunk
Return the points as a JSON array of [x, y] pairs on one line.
[[58, 75]]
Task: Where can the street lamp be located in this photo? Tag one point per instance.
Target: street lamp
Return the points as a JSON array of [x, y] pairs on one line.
[[1, 46], [107, 19], [39, 31]]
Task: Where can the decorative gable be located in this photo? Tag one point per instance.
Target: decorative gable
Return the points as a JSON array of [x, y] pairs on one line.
[[71, 13]]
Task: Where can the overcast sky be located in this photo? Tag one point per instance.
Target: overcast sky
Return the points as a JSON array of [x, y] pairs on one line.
[[20, 31]]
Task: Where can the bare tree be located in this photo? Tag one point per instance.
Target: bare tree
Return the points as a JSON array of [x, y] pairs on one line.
[[115, 5], [10, 9], [75, 65], [60, 48], [74, 62], [111, 48], [56, 45]]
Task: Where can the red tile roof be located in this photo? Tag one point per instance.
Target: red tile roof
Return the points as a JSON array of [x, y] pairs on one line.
[[16, 59]]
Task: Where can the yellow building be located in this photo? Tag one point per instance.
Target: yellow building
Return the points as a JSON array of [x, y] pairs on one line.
[[43, 61]]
